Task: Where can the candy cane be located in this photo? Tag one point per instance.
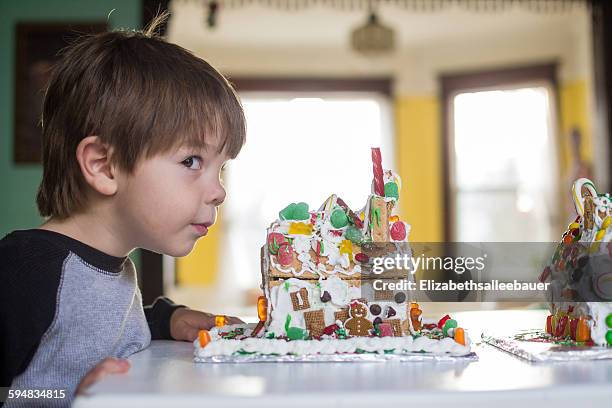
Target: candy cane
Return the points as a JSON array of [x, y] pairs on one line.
[[379, 186], [577, 193]]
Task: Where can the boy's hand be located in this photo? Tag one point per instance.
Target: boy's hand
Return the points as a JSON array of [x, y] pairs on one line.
[[107, 366], [186, 323]]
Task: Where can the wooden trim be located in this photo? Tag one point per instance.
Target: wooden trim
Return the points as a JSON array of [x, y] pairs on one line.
[[151, 276], [36, 43], [601, 21], [306, 84], [452, 84], [500, 77]]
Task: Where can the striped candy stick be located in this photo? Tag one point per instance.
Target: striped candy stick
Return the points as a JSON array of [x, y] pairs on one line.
[[379, 186]]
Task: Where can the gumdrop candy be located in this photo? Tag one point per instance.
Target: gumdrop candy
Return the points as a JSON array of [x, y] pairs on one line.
[[460, 336], [204, 337], [583, 332], [354, 235], [391, 190], [275, 240], [285, 254], [398, 231], [220, 321], [339, 218], [295, 211], [262, 308], [442, 321]]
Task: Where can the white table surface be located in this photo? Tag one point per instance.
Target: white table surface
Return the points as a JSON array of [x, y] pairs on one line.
[[164, 375]]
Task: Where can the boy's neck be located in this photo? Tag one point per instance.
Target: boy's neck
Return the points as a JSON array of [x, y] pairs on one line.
[[88, 229]]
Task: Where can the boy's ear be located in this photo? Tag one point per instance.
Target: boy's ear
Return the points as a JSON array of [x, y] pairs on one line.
[[94, 158]]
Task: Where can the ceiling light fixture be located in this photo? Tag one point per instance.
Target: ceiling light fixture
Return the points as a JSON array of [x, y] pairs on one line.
[[373, 38]]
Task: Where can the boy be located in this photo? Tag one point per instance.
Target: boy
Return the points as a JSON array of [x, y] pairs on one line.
[[135, 134]]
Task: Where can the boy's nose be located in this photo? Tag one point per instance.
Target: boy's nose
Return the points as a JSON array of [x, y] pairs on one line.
[[217, 196]]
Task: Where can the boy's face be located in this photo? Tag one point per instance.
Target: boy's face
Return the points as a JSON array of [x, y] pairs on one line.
[[171, 199]]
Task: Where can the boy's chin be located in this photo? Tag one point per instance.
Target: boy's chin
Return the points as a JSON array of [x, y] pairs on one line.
[[178, 251]]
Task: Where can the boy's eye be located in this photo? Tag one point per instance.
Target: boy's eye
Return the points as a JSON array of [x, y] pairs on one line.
[[193, 162]]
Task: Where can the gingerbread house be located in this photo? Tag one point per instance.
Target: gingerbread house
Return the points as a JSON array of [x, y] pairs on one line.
[[580, 272], [317, 273]]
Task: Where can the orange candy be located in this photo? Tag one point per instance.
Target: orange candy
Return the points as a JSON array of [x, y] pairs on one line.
[[204, 337], [460, 336], [583, 332], [220, 321], [262, 308], [415, 316], [393, 218]]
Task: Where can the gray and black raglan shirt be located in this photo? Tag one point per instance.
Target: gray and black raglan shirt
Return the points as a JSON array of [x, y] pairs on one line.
[[64, 307]]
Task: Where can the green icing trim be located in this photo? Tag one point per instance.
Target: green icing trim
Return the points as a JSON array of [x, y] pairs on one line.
[[375, 213]]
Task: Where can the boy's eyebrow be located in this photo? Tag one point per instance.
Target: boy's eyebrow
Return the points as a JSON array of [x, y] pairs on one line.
[[199, 147]]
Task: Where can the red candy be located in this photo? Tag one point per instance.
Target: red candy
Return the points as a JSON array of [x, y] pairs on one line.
[[379, 187], [549, 324], [362, 258], [275, 240], [442, 321], [385, 330], [331, 329], [561, 326], [285, 254], [398, 231], [336, 233], [573, 327]]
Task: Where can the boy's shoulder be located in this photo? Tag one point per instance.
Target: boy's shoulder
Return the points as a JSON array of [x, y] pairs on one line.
[[33, 249], [22, 250]]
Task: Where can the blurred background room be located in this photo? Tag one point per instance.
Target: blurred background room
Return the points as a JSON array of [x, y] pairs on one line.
[[488, 110]]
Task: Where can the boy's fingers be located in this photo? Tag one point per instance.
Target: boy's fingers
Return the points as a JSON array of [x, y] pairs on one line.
[[114, 365], [191, 333], [107, 366]]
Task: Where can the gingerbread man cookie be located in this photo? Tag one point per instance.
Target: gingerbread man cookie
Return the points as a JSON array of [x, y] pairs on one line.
[[357, 324]]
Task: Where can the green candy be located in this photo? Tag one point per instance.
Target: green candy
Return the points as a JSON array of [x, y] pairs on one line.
[[353, 234], [295, 211], [609, 320], [294, 333], [450, 324], [391, 190], [609, 337], [339, 218]]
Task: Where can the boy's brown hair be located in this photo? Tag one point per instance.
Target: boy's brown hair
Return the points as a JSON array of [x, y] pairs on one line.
[[139, 94]]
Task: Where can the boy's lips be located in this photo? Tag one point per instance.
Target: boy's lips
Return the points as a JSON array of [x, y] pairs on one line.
[[201, 229]]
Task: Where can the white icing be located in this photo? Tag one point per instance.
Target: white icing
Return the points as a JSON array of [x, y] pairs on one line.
[[301, 244], [398, 345], [338, 290], [598, 312]]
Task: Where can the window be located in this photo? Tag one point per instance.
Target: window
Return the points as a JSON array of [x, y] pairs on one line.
[[300, 147], [503, 177], [501, 167]]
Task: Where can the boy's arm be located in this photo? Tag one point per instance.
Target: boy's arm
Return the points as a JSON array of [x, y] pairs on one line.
[[158, 317], [28, 293]]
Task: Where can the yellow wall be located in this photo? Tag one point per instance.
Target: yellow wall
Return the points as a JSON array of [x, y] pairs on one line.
[[201, 266], [574, 111], [419, 162], [419, 159]]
